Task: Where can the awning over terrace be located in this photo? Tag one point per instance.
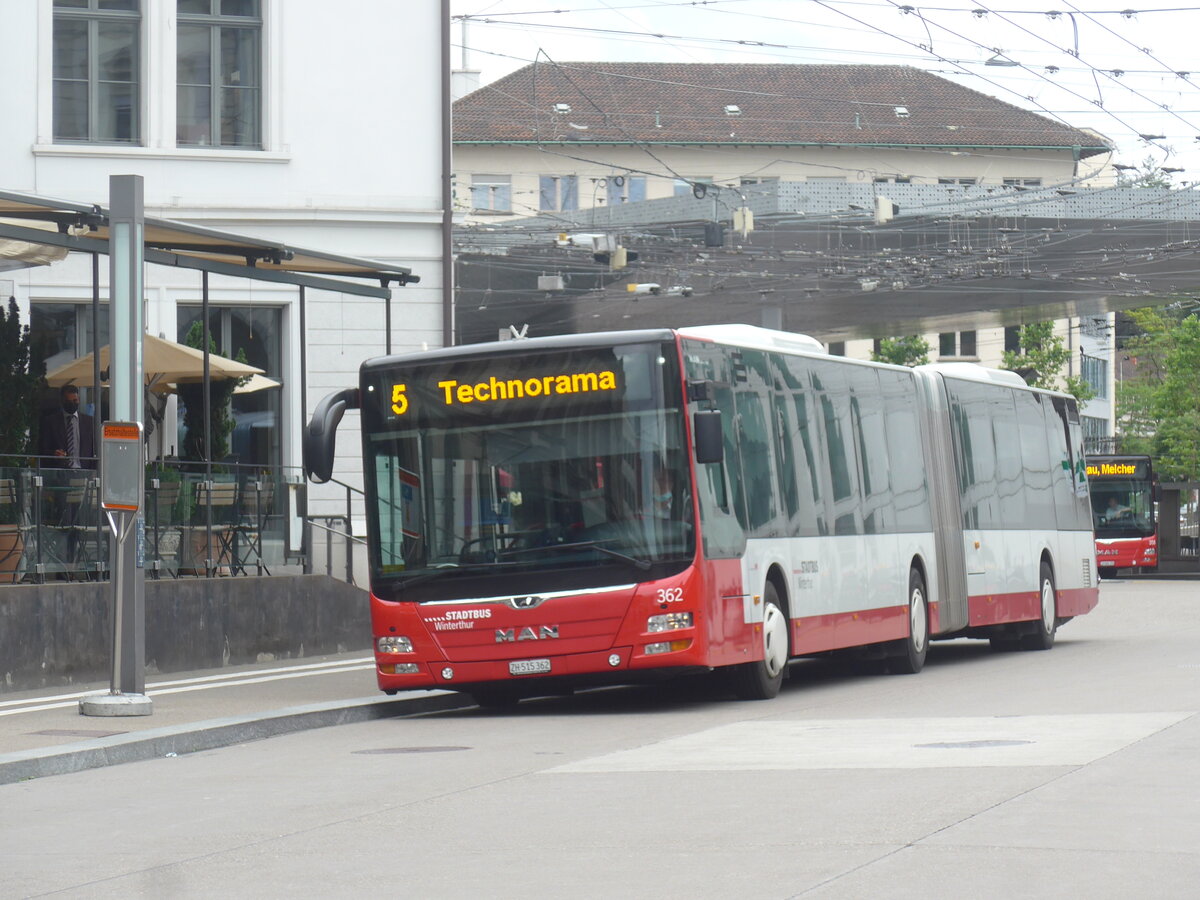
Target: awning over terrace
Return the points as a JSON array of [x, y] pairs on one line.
[[85, 228], [29, 222]]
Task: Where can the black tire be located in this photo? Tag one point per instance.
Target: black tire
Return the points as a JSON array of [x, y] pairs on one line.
[[496, 696], [762, 679], [916, 645], [1047, 625]]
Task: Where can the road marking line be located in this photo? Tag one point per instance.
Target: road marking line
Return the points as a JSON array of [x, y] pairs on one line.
[[195, 684]]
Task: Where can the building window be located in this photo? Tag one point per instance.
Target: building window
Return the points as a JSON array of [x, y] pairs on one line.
[[219, 73], [61, 333], [1096, 437], [1022, 182], [491, 193], [837, 179], [837, 348], [957, 344], [97, 64], [626, 188], [558, 193], [965, 181], [898, 179], [697, 187], [257, 332], [1095, 373], [1012, 339]]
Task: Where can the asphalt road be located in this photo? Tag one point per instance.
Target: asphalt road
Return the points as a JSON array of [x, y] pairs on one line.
[[1063, 774]]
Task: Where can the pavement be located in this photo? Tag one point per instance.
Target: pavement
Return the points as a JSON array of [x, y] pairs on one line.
[[42, 732]]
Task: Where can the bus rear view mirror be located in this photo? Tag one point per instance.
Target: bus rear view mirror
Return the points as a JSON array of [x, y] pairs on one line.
[[321, 434], [706, 427]]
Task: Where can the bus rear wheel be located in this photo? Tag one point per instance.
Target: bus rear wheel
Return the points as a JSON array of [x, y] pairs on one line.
[[1043, 637], [916, 645], [762, 679]]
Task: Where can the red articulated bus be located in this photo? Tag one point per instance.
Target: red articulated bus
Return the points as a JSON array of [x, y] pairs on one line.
[[564, 511], [1123, 495]]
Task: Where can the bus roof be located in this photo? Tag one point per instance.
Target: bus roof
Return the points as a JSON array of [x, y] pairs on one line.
[[974, 372], [525, 345], [752, 336]]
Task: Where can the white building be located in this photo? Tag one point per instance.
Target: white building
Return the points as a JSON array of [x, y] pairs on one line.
[[311, 124], [555, 137]]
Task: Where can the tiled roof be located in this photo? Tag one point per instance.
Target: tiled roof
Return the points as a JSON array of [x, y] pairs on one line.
[[750, 104]]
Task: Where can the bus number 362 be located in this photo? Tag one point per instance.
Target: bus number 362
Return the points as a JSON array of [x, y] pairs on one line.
[[670, 595]]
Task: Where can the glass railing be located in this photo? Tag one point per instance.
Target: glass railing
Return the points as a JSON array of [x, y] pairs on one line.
[[232, 522]]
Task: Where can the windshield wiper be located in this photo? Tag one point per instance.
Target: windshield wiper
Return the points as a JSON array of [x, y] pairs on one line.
[[641, 564]]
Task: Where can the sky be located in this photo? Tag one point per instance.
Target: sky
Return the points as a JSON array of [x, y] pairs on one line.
[[1113, 67]]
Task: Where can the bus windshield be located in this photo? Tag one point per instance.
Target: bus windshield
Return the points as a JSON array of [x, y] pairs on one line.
[[1122, 508], [564, 462]]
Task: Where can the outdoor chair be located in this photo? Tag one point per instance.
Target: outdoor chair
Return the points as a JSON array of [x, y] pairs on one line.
[[219, 552], [256, 508], [12, 533]]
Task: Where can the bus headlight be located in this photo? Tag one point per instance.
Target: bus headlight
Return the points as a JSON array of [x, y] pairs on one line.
[[393, 644], [669, 621]]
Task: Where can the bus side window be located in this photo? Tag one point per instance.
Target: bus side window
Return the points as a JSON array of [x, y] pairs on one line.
[[1035, 460], [910, 489], [839, 447]]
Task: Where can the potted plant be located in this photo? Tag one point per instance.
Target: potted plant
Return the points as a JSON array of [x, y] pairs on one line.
[[20, 387]]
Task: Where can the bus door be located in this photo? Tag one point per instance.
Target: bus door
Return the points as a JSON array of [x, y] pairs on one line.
[[938, 446]]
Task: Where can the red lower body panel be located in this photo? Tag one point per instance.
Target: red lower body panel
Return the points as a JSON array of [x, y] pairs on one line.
[[1026, 606], [815, 634]]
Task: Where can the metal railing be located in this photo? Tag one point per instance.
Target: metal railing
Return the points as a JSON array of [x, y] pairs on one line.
[[236, 522], [325, 524]]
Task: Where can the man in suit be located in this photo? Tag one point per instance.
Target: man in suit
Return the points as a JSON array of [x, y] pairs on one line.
[[67, 436]]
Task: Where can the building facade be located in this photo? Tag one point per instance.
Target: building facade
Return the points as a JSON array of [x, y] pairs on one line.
[[260, 117], [562, 137]]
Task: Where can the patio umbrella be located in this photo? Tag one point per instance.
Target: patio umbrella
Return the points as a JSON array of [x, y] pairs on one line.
[[164, 362]]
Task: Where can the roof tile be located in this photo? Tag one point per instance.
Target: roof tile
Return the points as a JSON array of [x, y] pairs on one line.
[[776, 104]]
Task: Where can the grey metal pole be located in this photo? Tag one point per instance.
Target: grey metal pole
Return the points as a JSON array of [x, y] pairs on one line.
[[306, 545], [447, 192], [96, 397], [127, 262], [206, 390]]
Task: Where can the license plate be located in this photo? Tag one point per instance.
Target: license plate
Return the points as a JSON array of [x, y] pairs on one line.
[[528, 666]]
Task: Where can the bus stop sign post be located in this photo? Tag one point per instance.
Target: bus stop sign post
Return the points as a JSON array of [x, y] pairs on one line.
[[121, 473]]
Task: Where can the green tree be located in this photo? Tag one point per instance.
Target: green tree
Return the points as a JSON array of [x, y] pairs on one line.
[[1041, 361], [1158, 408], [1148, 174], [220, 406], [20, 386], [903, 351]]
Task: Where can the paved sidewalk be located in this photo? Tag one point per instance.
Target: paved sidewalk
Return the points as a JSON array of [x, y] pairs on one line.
[[43, 733]]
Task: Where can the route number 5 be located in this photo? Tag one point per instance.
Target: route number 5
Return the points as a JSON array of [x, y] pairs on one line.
[[399, 399]]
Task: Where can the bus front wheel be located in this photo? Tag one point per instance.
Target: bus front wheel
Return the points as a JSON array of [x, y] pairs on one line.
[[1043, 637], [762, 679], [916, 646]]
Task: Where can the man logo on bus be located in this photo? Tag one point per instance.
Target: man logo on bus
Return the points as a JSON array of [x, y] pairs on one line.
[[511, 635], [527, 602]]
